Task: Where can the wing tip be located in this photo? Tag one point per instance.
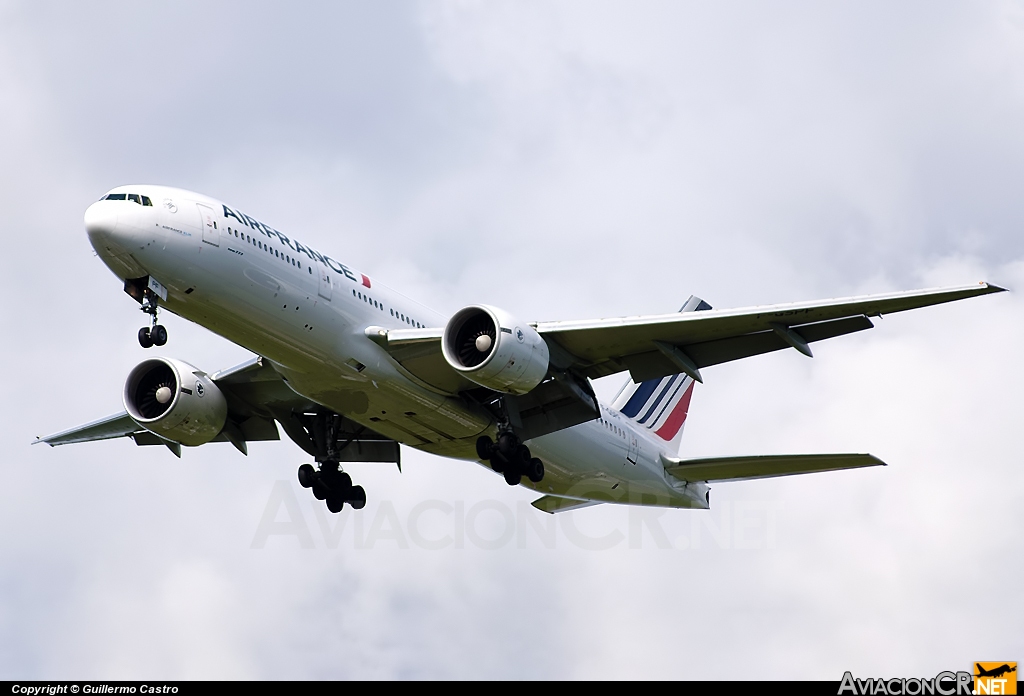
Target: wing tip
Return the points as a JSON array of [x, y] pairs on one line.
[[992, 287]]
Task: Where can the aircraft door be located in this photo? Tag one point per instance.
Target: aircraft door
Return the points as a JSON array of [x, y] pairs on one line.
[[211, 233], [633, 447], [325, 282]]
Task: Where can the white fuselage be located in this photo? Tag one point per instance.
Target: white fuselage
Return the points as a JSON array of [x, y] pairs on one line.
[[306, 312]]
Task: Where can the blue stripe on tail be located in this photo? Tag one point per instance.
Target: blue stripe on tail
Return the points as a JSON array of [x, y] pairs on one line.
[[640, 397], [661, 396], [671, 400]]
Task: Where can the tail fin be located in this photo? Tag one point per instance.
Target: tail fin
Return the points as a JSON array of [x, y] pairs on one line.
[[661, 405]]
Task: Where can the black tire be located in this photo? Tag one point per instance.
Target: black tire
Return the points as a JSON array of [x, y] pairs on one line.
[[498, 462], [357, 498], [159, 335], [307, 475], [521, 457], [342, 482], [513, 478], [484, 448], [144, 340], [320, 490], [535, 470], [507, 443], [335, 504]]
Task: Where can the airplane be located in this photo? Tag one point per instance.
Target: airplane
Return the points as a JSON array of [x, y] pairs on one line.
[[350, 369], [995, 672]]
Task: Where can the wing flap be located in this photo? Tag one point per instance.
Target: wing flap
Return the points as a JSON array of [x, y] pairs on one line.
[[655, 364], [766, 466]]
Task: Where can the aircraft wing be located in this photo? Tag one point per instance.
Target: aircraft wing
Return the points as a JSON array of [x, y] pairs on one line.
[[653, 346], [255, 393], [769, 466], [117, 425]]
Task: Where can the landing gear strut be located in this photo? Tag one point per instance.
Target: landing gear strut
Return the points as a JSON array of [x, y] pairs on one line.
[[155, 335], [329, 483], [509, 456]]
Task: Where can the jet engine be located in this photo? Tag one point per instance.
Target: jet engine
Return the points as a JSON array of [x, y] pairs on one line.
[[175, 400], [494, 350]]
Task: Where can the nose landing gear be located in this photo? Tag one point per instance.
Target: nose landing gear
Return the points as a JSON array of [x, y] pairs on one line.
[[510, 457], [156, 335]]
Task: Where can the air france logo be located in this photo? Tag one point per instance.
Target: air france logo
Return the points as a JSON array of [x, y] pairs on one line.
[[169, 204], [200, 389], [520, 335]]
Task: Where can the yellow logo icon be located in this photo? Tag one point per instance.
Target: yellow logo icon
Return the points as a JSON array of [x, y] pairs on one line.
[[995, 678]]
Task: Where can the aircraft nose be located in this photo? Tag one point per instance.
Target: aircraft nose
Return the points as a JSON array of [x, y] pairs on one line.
[[101, 223]]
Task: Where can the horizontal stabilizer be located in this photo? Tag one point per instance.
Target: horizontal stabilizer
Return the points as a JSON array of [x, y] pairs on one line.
[[743, 468], [555, 503]]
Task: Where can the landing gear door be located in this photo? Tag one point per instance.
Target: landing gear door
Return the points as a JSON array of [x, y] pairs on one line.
[[211, 234], [325, 282]]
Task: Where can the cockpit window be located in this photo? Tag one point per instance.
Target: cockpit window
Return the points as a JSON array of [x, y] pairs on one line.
[[133, 197]]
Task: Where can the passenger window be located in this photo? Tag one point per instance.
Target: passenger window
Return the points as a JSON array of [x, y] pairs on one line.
[[134, 198]]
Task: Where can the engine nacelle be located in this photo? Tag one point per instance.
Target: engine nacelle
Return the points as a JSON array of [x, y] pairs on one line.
[[491, 348], [175, 400]]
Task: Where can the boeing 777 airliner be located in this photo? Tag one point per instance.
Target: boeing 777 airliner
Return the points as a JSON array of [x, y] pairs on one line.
[[350, 369]]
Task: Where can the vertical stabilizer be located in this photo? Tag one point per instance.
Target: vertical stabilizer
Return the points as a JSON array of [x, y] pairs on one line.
[[661, 405]]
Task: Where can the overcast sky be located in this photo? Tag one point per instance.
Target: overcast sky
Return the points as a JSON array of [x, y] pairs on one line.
[[562, 160]]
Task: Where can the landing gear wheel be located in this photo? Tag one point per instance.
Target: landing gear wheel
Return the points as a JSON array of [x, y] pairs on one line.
[[357, 497], [335, 504], [320, 490], [507, 443], [513, 477], [535, 470], [498, 463], [342, 482], [158, 334], [521, 457], [484, 447], [307, 475], [144, 339]]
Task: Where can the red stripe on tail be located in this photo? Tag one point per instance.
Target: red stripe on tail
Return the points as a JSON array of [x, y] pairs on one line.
[[678, 416]]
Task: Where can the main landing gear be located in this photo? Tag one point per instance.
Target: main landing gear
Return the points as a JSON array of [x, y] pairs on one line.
[[155, 335], [333, 485], [509, 456], [329, 482]]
